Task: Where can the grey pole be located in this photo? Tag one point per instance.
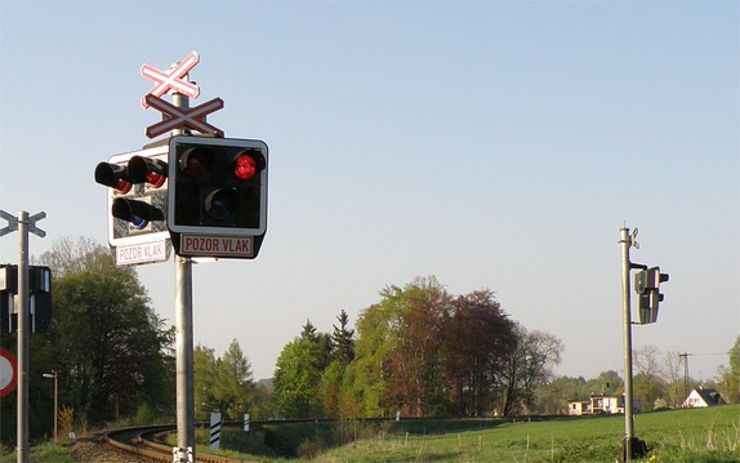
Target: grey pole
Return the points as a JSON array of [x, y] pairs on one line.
[[56, 405], [629, 431], [55, 376], [184, 342], [23, 315]]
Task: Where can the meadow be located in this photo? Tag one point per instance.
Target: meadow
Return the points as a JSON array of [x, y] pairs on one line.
[[697, 436], [701, 435]]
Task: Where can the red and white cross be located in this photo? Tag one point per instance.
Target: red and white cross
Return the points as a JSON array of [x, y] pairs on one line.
[[172, 80], [194, 118]]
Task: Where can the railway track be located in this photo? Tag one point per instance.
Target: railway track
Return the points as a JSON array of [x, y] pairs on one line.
[[143, 441], [146, 441]]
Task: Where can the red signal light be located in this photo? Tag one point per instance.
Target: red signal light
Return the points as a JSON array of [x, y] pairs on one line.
[[245, 167], [248, 164], [154, 179], [122, 186]]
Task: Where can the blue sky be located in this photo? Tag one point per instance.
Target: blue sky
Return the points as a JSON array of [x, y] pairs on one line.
[[494, 145]]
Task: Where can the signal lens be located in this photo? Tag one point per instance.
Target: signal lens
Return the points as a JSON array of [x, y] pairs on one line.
[[122, 186], [112, 175], [245, 167], [151, 171], [195, 162], [138, 222], [220, 204], [154, 179]]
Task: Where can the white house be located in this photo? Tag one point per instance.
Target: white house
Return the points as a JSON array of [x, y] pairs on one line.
[[699, 398], [608, 404], [579, 407]]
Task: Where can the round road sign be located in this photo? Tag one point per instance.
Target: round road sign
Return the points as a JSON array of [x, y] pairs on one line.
[[8, 372]]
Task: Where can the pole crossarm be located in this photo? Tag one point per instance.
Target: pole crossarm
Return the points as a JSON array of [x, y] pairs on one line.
[[30, 223], [12, 223]]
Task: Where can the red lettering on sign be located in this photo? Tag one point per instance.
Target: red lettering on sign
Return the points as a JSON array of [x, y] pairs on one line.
[[215, 246]]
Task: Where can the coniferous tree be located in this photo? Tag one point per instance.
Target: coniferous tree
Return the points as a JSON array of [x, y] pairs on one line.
[[308, 331], [233, 387], [342, 339]]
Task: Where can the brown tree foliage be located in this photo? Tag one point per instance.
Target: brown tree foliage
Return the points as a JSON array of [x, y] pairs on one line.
[[478, 337]]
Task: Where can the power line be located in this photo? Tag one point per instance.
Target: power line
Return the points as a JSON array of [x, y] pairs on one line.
[[685, 356]]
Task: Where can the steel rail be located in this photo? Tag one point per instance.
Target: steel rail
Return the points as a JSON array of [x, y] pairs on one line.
[[137, 440], [140, 439]]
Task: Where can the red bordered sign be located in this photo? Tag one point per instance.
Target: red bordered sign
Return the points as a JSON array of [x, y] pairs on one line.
[[194, 118], [172, 80], [8, 372]]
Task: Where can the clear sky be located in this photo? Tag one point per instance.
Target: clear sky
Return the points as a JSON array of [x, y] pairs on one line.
[[495, 145]]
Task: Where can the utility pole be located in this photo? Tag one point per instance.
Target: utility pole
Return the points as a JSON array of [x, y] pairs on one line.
[[647, 286], [184, 342], [685, 356], [23, 332], [627, 241], [25, 224]]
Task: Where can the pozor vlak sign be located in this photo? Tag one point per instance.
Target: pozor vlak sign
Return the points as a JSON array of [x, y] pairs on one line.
[[224, 246]]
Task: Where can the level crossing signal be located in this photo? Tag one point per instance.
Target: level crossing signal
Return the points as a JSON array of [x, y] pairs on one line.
[[137, 195], [647, 287], [217, 198], [209, 195], [39, 301]]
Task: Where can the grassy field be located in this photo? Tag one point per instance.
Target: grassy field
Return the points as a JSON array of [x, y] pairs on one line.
[[709, 435]]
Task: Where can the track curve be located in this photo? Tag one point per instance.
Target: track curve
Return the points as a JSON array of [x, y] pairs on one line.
[[140, 440]]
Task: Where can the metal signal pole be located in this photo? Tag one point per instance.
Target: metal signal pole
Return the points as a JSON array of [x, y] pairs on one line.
[[627, 242], [25, 224], [184, 344], [23, 332]]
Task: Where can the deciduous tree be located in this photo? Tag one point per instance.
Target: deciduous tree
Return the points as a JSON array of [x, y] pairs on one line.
[[205, 365], [111, 350], [729, 384], [415, 380], [648, 383], [477, 337], [527, 368], [297, 379]]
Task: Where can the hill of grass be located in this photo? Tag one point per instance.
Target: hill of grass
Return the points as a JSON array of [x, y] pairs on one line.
[[703, 435]]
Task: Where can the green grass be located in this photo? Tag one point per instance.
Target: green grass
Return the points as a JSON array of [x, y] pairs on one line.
[[709, 435], [43, 453], [701, 436]]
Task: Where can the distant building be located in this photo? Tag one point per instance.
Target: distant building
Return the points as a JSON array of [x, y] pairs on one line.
[[700, 398], [579, 407], [602, 404]]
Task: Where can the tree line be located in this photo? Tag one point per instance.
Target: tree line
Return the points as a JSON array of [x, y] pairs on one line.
[[425, 352], [420, 350]]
